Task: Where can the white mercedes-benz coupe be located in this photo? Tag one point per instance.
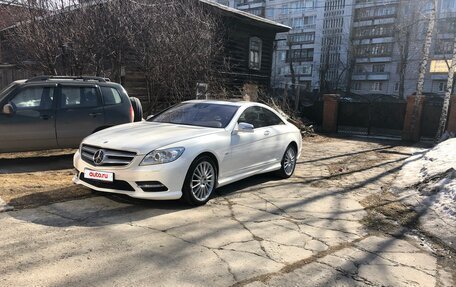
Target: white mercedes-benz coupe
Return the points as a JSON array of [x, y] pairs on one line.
[[188, 150]]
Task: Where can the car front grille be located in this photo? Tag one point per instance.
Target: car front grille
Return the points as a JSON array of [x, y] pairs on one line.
[[110, 157]]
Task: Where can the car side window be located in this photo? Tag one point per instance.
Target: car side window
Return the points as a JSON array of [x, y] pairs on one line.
[[259, 117], [79, 97], [251, 116], [34, 98], [111, 96], [268, 118]]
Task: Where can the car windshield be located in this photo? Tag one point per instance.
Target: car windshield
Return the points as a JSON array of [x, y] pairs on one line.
[[6, 90], [198, 114]]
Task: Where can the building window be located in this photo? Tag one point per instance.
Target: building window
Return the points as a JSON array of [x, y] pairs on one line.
[[359, 69], [377, 86], [357, 86], [442, 87], [396, 86], [444, 47], [300, 55], [378, 68], [305, 70], [255, 51], [302, 38], [374, 50]]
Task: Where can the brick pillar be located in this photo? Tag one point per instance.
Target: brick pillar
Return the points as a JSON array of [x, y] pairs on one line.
[[407, 133], [330, 112], [451, 127]]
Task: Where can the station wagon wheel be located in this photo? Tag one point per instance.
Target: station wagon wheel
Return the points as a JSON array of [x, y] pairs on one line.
[[288, 162], [200, 181]]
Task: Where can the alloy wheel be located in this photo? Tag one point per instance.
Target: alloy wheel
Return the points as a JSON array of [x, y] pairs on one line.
[[203, 181], [289, 161]]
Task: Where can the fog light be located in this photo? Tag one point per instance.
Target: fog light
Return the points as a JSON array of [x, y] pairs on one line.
[[151, 186]]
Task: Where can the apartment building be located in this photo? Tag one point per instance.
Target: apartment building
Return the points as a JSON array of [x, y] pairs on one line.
[[388, 37], [442, 48], [367, 46], [334, 43], [373, 39], [295, 49]]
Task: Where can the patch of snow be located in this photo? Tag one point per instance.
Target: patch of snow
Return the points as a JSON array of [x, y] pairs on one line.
[[445, 202], [427, 181], [427, 163]]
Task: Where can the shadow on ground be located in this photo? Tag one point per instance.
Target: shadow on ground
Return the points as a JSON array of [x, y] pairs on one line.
[[36, 164]]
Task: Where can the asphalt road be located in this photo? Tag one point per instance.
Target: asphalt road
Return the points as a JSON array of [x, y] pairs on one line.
[[310, 230]]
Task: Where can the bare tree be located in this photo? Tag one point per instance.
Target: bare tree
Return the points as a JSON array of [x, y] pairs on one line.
[[175, 43], [446, 100], [70, 38], [176, 54], [403, 31], [324, 66], [335, 73], [350, 67], [292, 68], [423, 65]]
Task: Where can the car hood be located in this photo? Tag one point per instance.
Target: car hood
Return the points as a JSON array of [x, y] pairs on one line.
[[145, 137]]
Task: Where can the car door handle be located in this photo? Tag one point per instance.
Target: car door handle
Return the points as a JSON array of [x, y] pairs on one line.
[[94, 115], [45, 117], [266, 133]]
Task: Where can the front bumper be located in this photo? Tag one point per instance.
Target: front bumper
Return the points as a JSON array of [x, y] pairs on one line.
[[171, 175]]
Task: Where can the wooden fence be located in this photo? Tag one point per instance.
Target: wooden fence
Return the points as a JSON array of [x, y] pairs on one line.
[[10, 73]]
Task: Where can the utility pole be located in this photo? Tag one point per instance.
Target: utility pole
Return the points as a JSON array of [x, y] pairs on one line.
[[423, 67], [446, 99]]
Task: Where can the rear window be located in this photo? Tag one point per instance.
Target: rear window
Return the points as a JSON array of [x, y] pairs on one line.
[[79, 97], [111, 96]]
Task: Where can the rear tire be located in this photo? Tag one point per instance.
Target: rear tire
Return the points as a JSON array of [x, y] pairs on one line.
[[288, 162], [137, 109], [200, 181]]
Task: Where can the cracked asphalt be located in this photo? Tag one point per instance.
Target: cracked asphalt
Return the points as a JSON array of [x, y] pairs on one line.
[[309, 230]]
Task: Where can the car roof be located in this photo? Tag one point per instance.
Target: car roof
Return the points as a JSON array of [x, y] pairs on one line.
[[67, 81], [239, 104], [224, 102]]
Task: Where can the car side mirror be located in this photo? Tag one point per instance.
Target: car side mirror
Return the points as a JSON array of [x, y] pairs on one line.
[[149, 117], [245, 128], [8, 109]]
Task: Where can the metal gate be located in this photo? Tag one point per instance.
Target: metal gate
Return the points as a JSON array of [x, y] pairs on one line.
[[377, 115], [430, 117]]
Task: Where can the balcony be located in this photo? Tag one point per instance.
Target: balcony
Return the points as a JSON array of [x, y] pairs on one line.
[[300, 59], [251, 4], [371, 76], [371, 3]]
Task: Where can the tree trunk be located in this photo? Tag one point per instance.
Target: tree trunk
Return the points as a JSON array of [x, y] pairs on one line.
[[446, 100], [292, 71], [404, 54], [423, 67], [351, 62], [404, 45]]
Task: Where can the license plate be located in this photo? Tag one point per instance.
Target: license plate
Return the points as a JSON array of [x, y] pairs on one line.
[[99, 175]]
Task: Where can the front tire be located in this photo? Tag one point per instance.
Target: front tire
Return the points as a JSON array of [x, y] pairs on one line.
[[200, 181], [288, 162]]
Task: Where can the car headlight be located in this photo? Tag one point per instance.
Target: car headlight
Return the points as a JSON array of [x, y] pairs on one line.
[[162, 156]]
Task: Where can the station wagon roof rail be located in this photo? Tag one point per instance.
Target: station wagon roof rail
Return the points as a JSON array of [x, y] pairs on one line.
[[81, 78]]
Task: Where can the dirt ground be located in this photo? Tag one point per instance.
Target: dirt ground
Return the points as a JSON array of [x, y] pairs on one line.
[[32, 179]]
